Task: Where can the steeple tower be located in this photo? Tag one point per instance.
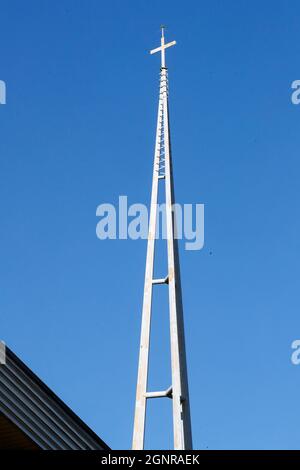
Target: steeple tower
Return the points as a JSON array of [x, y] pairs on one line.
[[178, 390]]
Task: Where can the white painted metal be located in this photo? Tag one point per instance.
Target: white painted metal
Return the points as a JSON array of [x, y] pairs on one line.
[[165, 393], [179, 390], [140, 406], [165, 46], [164, 280]]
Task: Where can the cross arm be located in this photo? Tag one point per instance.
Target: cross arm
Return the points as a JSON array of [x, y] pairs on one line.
[[165, 46]]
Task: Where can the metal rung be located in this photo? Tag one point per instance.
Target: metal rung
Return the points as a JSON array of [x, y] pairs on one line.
[[165, 394], [161, 177], [161, 281]]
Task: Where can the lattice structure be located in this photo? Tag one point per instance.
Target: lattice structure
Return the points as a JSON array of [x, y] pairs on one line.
[[178, 391]]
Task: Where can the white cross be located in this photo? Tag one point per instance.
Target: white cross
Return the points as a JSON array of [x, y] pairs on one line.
[[163, 47]]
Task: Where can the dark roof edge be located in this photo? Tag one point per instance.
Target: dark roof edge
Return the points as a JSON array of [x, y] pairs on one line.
[[49, 392]]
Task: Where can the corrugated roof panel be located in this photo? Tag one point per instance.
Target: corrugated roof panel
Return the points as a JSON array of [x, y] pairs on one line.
[[38, 413]]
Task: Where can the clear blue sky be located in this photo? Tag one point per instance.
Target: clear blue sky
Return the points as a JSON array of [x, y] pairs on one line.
[[77, 131]]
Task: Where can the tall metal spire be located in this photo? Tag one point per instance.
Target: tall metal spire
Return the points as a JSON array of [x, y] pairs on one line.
[[178, 391]]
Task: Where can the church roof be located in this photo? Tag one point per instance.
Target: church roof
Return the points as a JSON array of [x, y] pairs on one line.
[[32, 416]]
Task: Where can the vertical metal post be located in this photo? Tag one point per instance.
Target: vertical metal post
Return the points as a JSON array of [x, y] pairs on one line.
[[140, 407]]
